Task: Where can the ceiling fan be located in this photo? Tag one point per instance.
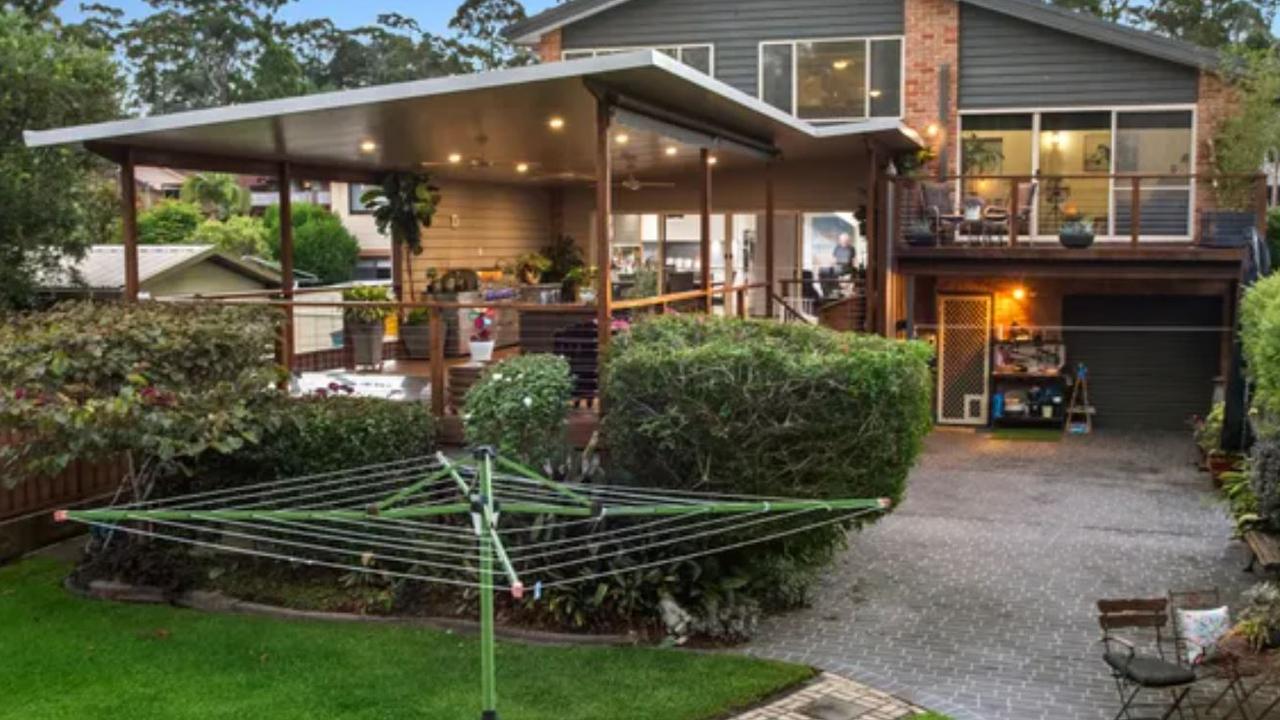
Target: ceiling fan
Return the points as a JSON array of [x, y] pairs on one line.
[[480, 160], [635, 184]]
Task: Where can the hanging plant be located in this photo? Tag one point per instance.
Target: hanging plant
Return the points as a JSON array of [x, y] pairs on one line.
[[402, 206]]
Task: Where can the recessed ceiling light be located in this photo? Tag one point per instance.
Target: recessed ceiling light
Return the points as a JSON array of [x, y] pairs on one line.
[[713, 160], [455, 158], [622, 138], [368, 146], [671, 151], [556, 122], [522, 168], [840, 64]]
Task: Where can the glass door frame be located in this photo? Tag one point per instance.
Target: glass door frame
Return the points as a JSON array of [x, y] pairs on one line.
[[1036, 114]]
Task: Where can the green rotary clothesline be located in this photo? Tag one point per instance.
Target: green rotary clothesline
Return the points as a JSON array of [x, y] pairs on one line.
[[434, 520]]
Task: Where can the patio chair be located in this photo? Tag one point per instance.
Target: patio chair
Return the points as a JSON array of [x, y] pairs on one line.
[[1219, 664], [997, 215], [935, 202], [1137, 670]]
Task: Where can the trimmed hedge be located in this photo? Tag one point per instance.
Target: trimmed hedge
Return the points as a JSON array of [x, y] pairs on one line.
[[757, 407], [520, 406], [334, 433], [1260, 336]]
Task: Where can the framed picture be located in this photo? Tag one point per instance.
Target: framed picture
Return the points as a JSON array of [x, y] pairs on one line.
[[1097, 152], [354, 191]]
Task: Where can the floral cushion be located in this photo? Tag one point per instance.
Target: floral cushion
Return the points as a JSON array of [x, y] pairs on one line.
[[1200, 631]]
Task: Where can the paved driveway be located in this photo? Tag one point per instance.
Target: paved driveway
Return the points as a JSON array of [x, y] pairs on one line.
[[976, 596]]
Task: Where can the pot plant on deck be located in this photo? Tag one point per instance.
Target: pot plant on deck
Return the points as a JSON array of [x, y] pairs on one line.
[[919, 233], [415, 333], [365, 329], [481, 345], [1076, 233], [580, 284]]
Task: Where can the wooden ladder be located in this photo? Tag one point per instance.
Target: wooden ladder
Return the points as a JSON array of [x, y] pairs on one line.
[[1079, 407]]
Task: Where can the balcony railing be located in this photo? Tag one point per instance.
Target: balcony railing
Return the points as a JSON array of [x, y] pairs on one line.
[[1009, 210]]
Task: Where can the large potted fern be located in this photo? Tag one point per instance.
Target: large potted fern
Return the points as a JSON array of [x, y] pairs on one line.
[[402, 206]]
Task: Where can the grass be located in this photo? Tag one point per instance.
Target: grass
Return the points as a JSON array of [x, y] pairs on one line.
[[1028, 434], [67, 657]]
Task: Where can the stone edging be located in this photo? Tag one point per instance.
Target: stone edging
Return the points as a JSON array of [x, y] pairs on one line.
[[216, 602]]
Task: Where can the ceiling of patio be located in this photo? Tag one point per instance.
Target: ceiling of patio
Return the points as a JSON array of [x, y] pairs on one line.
[[496, 126]]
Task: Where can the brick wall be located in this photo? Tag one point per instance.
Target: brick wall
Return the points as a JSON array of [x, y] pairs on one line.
[[549, 46], [932, 29], [1216, 100]]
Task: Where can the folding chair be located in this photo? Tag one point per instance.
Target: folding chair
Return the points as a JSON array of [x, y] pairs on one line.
[[1135, 672], [1221, 664]]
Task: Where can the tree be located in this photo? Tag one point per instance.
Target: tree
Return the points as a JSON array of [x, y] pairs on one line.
[[239, 235], [321, 245], [1212, 23], [171, 222], [47, 196], [480, 42], [1244, 138], [218, 195]]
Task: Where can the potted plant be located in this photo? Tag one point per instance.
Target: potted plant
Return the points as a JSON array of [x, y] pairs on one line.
[[482, 335], [530, 267], [1076, 232], [415, 332], [919, 233], [565, 256], [402, 206], [364, 325], [580, 283]]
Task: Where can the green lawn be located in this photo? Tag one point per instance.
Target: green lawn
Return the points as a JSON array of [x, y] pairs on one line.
[[64, 657]]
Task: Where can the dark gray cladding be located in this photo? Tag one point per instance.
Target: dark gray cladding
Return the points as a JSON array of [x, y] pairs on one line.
[[735, 27], [1011, 63]]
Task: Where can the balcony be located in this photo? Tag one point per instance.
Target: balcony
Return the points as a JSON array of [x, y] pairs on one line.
[[1196, 225]]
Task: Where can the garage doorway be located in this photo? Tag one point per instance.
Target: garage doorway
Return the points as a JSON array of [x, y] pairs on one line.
[[1152, 359]]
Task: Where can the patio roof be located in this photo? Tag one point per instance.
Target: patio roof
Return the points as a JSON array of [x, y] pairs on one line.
[[493, 120]]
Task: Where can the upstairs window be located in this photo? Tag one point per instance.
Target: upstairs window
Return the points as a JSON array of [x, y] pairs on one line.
[[699, 57], [833, 80]]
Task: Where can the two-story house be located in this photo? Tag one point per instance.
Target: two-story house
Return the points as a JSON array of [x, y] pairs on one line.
[[1034, 118]]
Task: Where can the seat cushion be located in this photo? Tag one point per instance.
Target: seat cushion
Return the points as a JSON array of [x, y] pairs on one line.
[[1148, 671]]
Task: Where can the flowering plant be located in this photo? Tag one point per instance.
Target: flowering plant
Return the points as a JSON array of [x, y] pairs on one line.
[[481, 323]]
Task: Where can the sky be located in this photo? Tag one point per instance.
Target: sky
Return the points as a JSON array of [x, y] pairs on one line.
[[433, 15]]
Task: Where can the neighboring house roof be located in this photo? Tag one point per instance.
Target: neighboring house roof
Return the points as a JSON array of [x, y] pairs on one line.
[[158, 178], [1086, 26], [102, 267], [301, 277]]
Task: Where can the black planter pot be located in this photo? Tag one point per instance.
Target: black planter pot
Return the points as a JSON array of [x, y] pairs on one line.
[[417, 341], [921, 238], [1075, 240]]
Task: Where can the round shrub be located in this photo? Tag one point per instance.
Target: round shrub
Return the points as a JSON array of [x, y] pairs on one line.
[[520, 406], [172, 222], [756, 407]]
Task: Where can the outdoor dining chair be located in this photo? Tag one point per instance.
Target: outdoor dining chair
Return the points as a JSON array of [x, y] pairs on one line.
[[998, 215], [936, 205], [1219, 664], [1138, 663]]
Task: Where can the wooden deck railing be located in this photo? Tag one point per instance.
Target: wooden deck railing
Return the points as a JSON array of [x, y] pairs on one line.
[[561, 328]]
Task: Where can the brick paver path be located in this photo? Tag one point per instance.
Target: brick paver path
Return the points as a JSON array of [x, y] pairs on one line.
[[975, 598], [831, 697]]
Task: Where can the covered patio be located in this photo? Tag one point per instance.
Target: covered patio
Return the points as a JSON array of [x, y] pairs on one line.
[[645, 163]]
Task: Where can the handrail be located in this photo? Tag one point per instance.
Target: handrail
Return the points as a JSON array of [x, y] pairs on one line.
[[791, 311], [1082, 176], [682, 296]]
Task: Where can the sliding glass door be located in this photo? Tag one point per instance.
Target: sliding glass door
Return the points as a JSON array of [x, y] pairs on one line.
[[1084, 161]]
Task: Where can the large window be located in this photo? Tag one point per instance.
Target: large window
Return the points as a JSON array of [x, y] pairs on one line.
[[833, 80], [699, 57], [1082, 159]]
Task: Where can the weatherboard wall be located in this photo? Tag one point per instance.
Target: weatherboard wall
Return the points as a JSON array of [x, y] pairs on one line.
[[735, 27], [1011, 63]]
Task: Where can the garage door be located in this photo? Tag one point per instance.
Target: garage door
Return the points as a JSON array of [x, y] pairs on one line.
[[1151, 358]]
